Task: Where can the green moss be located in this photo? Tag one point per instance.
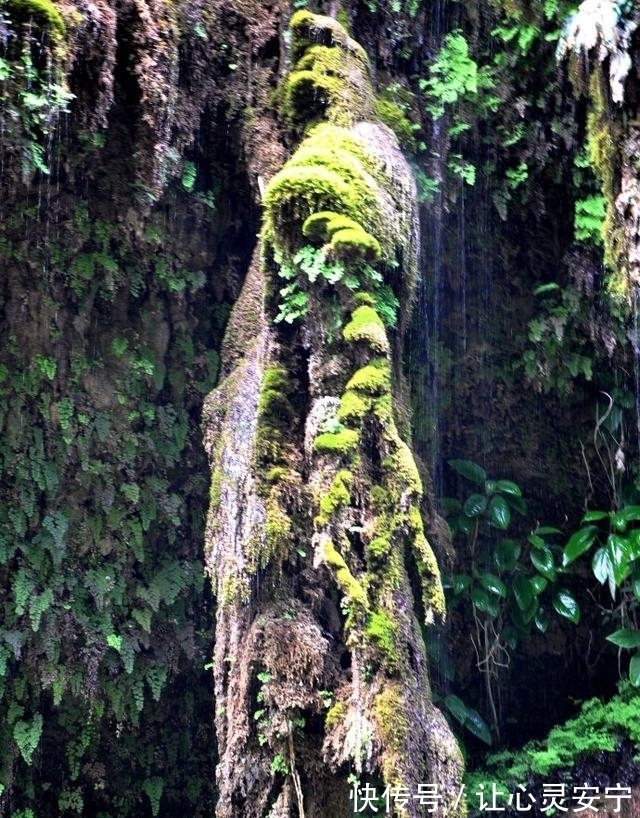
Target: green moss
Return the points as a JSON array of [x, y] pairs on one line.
[[335, 714], [394, 117], [599, 728], [364, 298], [348, 584], [353, 244], [353, 407], [273, 403], [383, 633], [275, 414], [342, 443], [331, 75], [320, 227], [390, 714], [379, 548], [367, 327], [42, 11], [373, 379], [402, 467], [215, 489], [339, 495]]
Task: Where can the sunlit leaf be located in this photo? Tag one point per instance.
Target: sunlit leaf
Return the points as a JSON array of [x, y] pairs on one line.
[[509, 487], [499, 513], [544, 563], [625, 638], [579, 542], [484, 602], [477, 725], [493, 584], [592, 516], [474, 505], [542, 620], [567, 606], [538, 584]]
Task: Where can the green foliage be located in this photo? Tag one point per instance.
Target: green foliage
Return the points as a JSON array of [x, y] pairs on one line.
[[598, 729], [559, 351], [588, 222], [615, 562], [506, 583], [34, 99], [469, 718], [452, 75]]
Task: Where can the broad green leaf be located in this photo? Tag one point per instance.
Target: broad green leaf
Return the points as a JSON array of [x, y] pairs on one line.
[[538, 584], [499, 513], [625, 638], [467, 468], [456, 707], [536, 541], [490, 486], [601, 566], [579, 542], [493, 584], [627, 514], [528, 614], [484, 602], [544, 530], [542, 620], [544, 563], [523, 592], [566, 605], [506, 555], [450, 505], [509, 487], [460, 583], [516, 503], [477, 725], [634, 670], [474, 505], [592, 516], [619, 550]]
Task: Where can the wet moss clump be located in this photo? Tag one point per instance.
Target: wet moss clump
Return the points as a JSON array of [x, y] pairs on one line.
[[43, 12]]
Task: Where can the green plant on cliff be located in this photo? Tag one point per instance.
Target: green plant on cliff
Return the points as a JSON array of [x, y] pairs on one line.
[[612, 538], [34, 98], [505, 584]]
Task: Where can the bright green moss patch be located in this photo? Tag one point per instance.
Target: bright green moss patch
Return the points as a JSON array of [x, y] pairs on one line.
[[354, 244], [373, 379], [402, 467], [347, 239], [379, 547], [335, 714], [319, 227], [338, 496], [367, 327], [394, 117], [348, 584], [383, 633], [43, 11], [433, 598], [393, 726], [342, 443], [331, 75], [599, 728], [353, 407]]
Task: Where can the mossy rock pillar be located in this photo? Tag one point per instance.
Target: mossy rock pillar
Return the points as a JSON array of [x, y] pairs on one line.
[[315, 540]]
